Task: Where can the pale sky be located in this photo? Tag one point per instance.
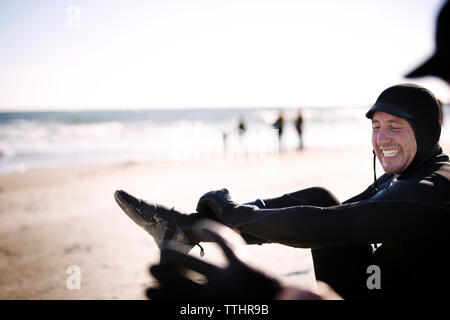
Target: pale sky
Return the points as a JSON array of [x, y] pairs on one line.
[[101, 54]]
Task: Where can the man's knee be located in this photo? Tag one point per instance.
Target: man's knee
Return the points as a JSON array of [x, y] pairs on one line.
[[316, 196]]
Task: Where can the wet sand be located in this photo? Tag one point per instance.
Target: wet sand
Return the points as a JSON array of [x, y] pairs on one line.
[[53, 218]]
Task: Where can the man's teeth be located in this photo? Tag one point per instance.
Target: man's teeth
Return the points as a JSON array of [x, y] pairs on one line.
[[389, 153]]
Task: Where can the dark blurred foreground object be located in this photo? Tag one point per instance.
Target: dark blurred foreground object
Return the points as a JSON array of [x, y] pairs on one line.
[[439, 63], [236, 281]]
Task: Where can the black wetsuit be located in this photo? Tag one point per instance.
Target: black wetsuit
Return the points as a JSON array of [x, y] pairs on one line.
[[409, 216]]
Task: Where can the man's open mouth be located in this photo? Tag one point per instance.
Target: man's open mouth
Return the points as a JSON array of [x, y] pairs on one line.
[[390, 153]]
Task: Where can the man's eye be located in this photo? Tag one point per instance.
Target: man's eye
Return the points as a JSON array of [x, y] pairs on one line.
[[375, 128]]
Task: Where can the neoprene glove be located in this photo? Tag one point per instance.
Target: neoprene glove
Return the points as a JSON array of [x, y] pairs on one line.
[[218, 205], [236, 281], [258, 202]]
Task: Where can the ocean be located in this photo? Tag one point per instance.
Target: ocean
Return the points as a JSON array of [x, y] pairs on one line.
[[57, 138]]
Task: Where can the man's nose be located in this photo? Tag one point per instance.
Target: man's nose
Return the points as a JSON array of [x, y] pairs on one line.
[[383, 137]]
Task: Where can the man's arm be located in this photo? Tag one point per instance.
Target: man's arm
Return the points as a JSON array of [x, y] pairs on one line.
[[405, 210], [355, 223]]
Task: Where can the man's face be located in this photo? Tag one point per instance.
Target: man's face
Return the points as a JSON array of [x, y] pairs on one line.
[[393, 141]]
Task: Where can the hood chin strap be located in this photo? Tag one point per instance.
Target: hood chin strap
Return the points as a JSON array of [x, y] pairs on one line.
[[375, 187], [437, 150]]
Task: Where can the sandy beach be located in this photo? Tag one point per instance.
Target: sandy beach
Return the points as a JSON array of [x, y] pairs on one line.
[[53, 218]]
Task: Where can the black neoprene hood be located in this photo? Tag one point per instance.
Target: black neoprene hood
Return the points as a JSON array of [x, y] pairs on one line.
[[420, 107]]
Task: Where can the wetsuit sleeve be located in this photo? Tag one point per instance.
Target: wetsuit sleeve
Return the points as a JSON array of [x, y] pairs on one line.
[[355, 223], [402, 211]]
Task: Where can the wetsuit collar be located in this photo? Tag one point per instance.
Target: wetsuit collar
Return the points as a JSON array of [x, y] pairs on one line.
[[417, 162]]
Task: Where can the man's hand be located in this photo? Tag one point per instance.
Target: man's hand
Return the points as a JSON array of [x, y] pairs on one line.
[[236, 281], [218, 205]]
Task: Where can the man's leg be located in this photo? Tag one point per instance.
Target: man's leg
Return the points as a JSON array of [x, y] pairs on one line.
[[343, 268], [315, 196]]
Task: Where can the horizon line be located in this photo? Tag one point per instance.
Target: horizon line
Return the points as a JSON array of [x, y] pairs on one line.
[[138, 108]]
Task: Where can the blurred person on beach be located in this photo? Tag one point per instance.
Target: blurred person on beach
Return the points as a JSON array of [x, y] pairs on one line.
[[225, 143], [396, 228], [241, 126], [299, 127], [241, 129], [279, 126]]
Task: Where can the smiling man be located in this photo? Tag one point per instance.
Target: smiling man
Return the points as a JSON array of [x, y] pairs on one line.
[[393, 142], [405, 213], [405, 128]]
